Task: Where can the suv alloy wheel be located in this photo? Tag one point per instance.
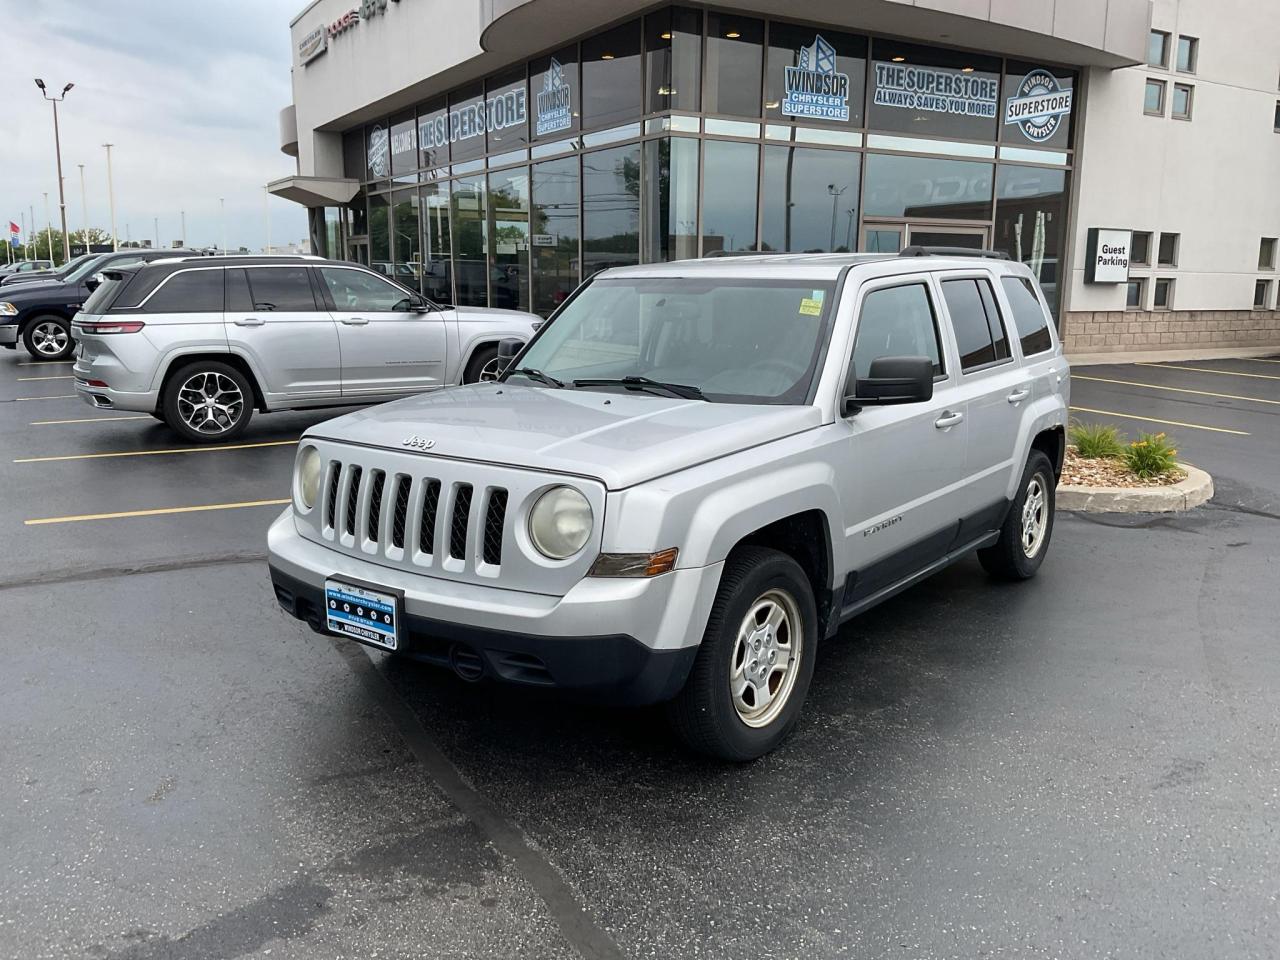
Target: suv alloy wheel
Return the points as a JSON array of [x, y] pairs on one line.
[[1024, 538], [48, 338], [207, 401]]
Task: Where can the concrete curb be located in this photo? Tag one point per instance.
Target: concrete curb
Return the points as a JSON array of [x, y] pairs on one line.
[[1196, 489], [1086, 359]]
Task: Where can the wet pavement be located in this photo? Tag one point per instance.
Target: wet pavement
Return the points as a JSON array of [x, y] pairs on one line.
[[1087, 765]]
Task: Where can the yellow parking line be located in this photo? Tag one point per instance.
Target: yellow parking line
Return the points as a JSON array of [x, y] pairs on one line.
[[1225, 373], [152, 453], [60, 396], [59, 377], [50, 423], [1158, 386], [156, 513], [1169, 423]]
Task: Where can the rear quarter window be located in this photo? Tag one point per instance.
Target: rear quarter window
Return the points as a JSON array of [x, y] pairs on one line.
[[1029, 316], [100, 301]]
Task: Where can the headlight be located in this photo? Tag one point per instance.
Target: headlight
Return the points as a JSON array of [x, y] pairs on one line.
[[8, 309], [560, 523], [309, 476]]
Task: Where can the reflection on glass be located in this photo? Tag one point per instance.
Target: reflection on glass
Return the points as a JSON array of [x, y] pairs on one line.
[[611, 76], [466, 122], [883, 241], [925, 91], [673, 59], [509, 239], [927, 188], [405, 239], [813, 97], [734, 62], [507, 111], [671, 191], [404, 144], [470, 232], [379, 234], [433, 134], [554, 232], [437, 279], [332, 233], [809, 202], [610, 208], [1031, 205], [728, 198]]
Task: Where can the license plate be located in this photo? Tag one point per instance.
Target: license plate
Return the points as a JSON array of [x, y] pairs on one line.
[[362, 614]]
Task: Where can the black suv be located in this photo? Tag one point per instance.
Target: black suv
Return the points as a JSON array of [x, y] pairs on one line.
[[39, 313]]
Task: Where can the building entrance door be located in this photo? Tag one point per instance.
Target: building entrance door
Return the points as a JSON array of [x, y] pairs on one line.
[[358, 250]]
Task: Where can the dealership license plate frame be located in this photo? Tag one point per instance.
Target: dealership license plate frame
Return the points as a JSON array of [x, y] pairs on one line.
[[362, 627]]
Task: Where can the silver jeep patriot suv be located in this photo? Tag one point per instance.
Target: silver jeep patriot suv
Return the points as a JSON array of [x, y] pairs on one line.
[[693, 474]]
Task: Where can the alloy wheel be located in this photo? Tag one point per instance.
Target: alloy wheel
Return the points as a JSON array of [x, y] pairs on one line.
[[210, 403], [49, 338], [766, 658], [1035, 517], [490, 371]]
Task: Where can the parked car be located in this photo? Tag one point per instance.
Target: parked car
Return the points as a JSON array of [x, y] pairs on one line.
[[692, 475], [59, 273], [39, 314], [201, 343], [25, 266]]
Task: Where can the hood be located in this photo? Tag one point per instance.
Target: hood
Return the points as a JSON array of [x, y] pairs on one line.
[[10, 279], [617, 437], [38, 290]]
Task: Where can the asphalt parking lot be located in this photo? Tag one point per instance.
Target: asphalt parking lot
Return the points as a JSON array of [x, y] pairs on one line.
[[1087, 765]]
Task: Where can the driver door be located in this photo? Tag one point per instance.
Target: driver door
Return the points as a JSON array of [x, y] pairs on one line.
[[387, 348]]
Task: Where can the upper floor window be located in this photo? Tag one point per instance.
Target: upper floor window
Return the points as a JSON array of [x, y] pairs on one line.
[[1188, 53], [1154, 103], [1140, 248], [1168, 251], [1267, 254], [1183, 95], [1158, 49]]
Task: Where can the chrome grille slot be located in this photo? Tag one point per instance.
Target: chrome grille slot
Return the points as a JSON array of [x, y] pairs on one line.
[[353, 492], [374, 518], [427, 528], [461, 522], [331, 494], [400, 512], [495, 517]]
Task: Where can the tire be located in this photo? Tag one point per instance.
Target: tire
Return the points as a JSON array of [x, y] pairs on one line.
[[482, 358], [48, 338], [706, 714], [223, 420], [1021, 549]]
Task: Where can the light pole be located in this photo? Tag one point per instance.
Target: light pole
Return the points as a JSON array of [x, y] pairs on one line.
[[48, 228], [84, 208], [183, 215], [835, 200], [57, 146], [222, 215], [111, 199], [155, 223]]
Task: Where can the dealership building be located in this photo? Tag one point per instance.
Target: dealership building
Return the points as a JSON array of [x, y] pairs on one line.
[[498, 152]]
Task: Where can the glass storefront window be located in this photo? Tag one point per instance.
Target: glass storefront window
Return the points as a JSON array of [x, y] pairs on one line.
[[809, 203], [433, 135], [924, 91], [815, 75], [555, 94], [470, 240], [928, 189], [406, 241], [377, 140], [332, 234], [379, 234], [728, 192], [358, 212], [509, 239], [507, 111], [671, 199], [735, 56], [610, 208], [1038, 106], [467, 122], [611, 76], [673, 59], [353, 164], [404, 144], [437, 279], [554, 232], [1031, 214]]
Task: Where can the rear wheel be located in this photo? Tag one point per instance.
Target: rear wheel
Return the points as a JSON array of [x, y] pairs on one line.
[[208, 401], [483, 366], [751, 676], [1024, 538], [48, 338]]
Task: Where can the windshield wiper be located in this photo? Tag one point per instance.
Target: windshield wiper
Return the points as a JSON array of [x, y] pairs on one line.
[[533, 373], [682, 390]]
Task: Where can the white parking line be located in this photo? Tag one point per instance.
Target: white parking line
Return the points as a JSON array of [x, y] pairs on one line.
[[22, 379], [52, 423], [60, 396]]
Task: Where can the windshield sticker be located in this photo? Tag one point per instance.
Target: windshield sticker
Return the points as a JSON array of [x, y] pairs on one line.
[[810, 307]]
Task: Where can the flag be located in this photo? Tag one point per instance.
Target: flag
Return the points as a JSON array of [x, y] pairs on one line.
[[14, 231]]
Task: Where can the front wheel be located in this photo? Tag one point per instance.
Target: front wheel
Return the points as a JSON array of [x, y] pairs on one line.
[[1024, 538], [48, 338], [208, 401], [483, 366], [751, 676]]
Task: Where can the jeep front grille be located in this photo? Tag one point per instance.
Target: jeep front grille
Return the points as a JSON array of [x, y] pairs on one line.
[[461, 518], [494, 519]]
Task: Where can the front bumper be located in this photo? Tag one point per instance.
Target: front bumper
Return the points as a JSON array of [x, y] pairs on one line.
[[8, 334], [624, 641]]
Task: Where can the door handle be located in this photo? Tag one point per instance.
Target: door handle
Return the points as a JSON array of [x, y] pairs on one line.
[[1019, 395], [948, 419], [355, 321], [248, 322]]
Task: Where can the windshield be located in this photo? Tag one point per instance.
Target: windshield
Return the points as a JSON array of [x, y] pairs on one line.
[[70, 265], [736, 340], [86, 268]]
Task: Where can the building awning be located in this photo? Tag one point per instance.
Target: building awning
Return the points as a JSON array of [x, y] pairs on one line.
[[315, 191]]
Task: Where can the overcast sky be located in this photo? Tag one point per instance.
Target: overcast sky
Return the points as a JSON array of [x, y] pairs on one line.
[[189, 93]]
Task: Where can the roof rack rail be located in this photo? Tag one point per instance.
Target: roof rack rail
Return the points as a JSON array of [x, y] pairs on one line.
[[953, 252]]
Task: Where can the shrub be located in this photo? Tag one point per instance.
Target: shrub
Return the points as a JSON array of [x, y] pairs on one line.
[[1094, 441], [1150, 455]]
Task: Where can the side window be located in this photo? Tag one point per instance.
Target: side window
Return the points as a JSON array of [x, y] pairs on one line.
[[357, 290], [969, 320], [191, 291], [896, 322], [239, 300], [1028, 316], [281, 289], [998, 335]]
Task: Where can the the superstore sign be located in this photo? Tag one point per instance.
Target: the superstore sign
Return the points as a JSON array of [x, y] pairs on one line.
[[1039, 107], [509, 109], [936, 90], [815, 89]]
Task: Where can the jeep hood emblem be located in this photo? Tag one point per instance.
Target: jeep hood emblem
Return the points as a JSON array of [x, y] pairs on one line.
[[418, 443]]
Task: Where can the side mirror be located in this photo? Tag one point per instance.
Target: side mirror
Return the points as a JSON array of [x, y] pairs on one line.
[[508, 349], [892, 380], [94, 282], [418, 304]]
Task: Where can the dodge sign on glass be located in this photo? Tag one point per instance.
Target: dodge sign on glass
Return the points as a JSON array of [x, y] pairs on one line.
[[1107, 256]]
